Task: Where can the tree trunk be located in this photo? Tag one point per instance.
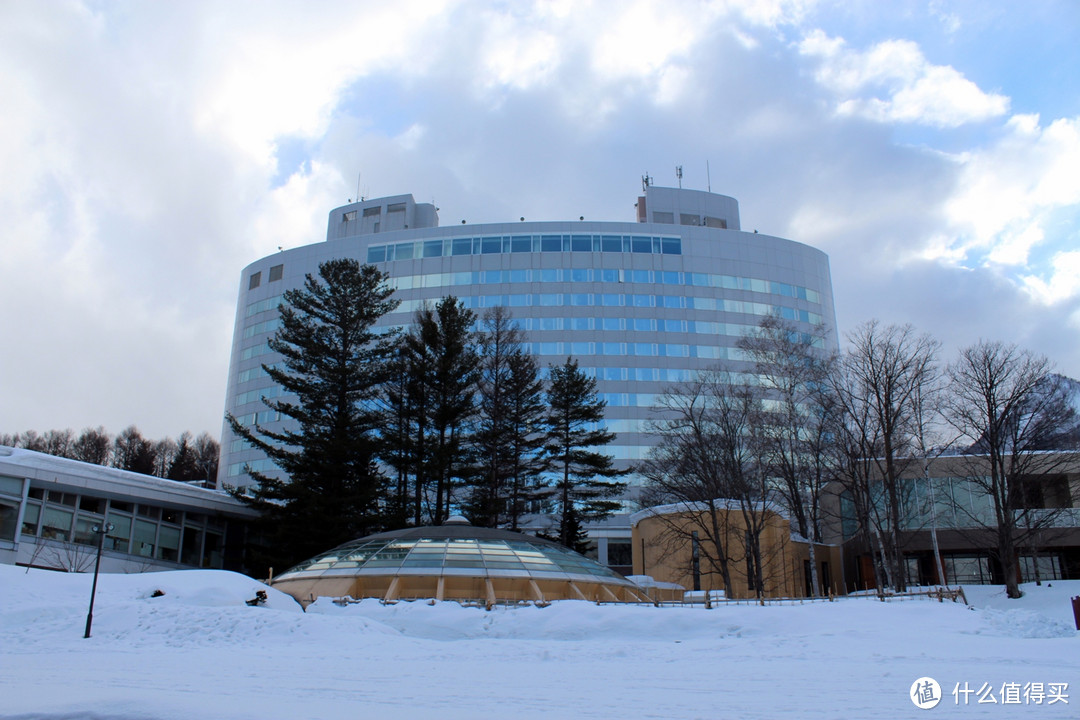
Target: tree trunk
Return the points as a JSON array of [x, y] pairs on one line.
[[815, 581]]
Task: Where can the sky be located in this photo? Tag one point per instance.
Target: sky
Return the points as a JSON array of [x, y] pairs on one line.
[[152, 150]]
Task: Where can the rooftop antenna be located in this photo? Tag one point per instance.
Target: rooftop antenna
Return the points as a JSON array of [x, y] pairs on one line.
[[646, 181], [678, 174], [358, 188], [708, 177]]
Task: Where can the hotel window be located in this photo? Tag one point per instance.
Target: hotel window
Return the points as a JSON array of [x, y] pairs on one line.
[[276, 273], [551, 243], [254, 280]]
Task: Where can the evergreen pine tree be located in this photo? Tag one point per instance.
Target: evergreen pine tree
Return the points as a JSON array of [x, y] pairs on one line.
[[509, 435], [183, 465], [429, 408], [583, 489], [332, 366], [131, 451]]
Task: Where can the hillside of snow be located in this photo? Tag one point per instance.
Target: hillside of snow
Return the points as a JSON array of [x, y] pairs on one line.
[[197, 650]]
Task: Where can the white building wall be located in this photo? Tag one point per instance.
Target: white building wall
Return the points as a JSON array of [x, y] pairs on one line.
[[639, 320]]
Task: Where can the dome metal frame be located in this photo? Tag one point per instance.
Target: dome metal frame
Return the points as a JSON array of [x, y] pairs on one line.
[[458, 562]]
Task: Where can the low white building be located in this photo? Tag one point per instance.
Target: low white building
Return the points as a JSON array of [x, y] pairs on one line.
[[49, 507]]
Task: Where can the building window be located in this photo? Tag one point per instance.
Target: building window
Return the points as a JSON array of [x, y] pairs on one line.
[[254, 280], [664, 217], [119, 537], [84, 529], [967, 570], [212, 550], [373, 211], [712, 222], [56, 523], [276, 273], [619, 552], [169, 543], [395, 207], [93, 505], [9, 515], [30, 519], [145, 538], [1049, 567], [349, 216], [685, 219], [191, 548], [11, 486]]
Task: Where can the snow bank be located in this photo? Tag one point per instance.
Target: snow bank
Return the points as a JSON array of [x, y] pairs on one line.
[[199, 651], [1044, 611]]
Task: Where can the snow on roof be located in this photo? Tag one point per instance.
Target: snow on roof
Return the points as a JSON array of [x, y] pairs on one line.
[[65, 471], [721, 504], [702, 506]]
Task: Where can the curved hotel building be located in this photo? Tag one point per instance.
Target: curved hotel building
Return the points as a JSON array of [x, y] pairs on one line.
[[640, 305]]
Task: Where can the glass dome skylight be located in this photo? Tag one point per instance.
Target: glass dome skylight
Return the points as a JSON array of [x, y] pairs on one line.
[[456, 561]]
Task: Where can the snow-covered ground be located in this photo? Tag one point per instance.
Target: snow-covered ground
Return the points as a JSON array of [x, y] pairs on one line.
[[199, 651]]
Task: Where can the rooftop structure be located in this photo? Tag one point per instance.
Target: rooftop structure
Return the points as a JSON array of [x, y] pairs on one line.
[[456, 561], [50, 505]]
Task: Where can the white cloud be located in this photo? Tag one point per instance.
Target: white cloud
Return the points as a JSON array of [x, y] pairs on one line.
[[1006, 192], [284, 72], [517, 53], [950, 21], [770, 13], [893, 82], [1063, 283], [143, 147]]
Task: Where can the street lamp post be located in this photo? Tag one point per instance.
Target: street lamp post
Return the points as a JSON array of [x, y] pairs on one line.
[[102, 531]]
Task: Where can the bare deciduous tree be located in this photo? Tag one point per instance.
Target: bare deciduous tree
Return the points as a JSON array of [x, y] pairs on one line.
[[59, 443], [207, 454], [93, 446], [883, 376], [793, 434], [1010, 406], [706, 461]]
